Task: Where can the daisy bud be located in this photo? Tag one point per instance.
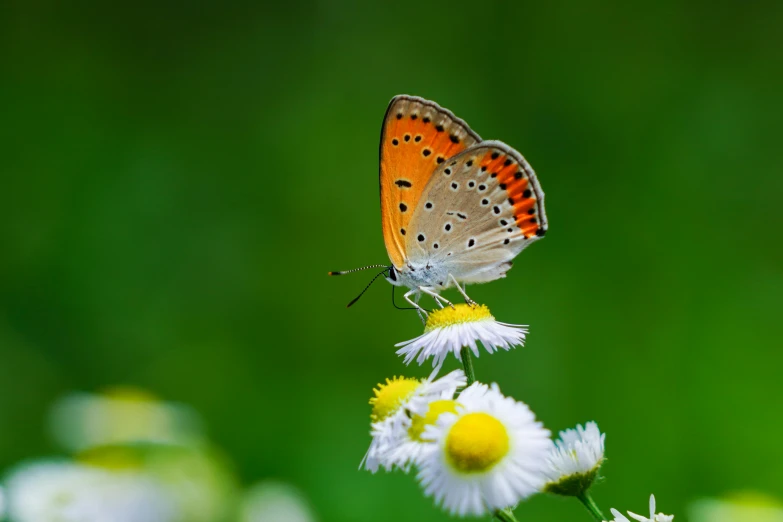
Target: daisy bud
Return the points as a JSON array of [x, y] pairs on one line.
[[575, 460]]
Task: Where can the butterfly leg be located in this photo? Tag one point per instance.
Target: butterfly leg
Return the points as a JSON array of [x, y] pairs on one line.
[[422, 315], [438, 298], [415, 303], [462, 291]]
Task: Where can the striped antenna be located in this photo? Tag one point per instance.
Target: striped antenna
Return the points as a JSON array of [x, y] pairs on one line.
[[343, 272]]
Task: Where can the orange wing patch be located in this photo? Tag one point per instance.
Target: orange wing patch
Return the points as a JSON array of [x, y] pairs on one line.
[[416, 137], [514, 176]]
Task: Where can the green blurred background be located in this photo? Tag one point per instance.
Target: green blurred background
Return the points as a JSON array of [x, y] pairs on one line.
[[177, 179]]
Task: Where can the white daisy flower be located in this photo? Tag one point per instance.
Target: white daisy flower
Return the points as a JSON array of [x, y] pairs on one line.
[[488, 455], [575, 460], [449, 329], [72, 492], [410, 446], [618, 517], [660, 517], [394, 406]]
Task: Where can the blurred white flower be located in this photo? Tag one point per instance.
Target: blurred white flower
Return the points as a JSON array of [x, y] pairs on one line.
[[745, 506], [272, 501], [81, 421], [489, 455], [449, 329], [71, 492], [660, 517], [393, 406], [575, 460], [199, 481]]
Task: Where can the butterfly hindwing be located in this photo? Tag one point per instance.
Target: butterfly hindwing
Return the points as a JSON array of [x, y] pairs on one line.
[[478, 211], [417, 137]]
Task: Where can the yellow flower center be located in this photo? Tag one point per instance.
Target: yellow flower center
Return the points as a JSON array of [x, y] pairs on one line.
[[460, 314], [129, 394], [388, 397], [419, 422], [476, 442], [112, 458]]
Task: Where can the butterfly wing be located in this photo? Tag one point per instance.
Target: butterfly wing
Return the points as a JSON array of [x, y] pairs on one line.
[[479, 210], [417, 136]]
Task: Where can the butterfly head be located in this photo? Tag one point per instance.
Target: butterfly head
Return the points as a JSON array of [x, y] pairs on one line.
[[392, 275]]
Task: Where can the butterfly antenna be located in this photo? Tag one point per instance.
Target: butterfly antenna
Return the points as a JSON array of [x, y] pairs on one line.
[[343, 272], [379, 274]]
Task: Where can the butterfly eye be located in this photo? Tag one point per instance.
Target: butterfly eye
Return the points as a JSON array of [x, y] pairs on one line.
[[392, 274]]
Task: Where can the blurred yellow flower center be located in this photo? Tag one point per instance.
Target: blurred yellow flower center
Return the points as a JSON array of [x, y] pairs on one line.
[[112, 458], [476, 442], [129, 394], [389, 396], [460, 314], [419, 422]]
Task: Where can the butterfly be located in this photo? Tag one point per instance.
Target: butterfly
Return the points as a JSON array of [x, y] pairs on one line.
[[454, 209]]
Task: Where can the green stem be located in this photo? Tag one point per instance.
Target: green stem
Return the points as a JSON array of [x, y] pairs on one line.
[[591, 506], [467, 362], [505, 515]]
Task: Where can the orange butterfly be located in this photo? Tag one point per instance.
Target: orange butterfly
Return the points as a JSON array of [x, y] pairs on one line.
[[454, 209]]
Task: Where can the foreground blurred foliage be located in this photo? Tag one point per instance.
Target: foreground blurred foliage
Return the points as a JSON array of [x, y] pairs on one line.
[[136, 460]]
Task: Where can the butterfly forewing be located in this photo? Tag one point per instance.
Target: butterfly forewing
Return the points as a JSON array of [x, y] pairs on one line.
[[478, 211], [417, 137]]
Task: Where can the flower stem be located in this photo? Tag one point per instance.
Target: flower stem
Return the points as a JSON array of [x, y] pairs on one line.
[[467, 362], [591, 506], [505, 515]]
